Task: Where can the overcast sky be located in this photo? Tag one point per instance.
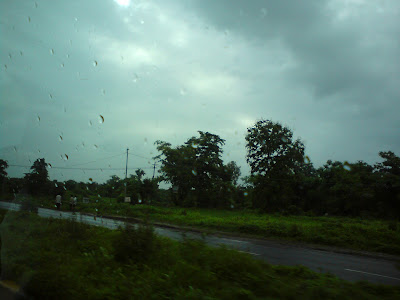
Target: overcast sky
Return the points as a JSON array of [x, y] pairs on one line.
[[162, 70]]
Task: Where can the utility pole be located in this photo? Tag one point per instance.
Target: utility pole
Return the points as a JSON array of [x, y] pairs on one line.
[[126, 170], [154, 169]]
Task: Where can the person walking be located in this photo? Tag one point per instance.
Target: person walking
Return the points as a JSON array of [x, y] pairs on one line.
[[58, 201]]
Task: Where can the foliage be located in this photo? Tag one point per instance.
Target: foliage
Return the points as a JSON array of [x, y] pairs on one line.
[[58, 259], [38, 180], [196, 171]]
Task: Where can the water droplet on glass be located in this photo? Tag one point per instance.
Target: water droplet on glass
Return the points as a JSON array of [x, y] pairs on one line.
[[95, 63], [49, 165], [62, 65], [38, 118], [103, 91], [65, 109], [15, 149], [64, 188], [194, 172], [83, 144], [29, 19], [245, 194], [182, 92], [87, 188], [194, 145], [96, 208], [95, 146], [101, 119], [51, 51], [263, 12], [135, 78], [5, 67], [36, 5], [67, 56], [90, 123], [306, 159], [65, 157], [346, 166], [284, 139], [98, 195], [21, 53], [141, 22], [51, 96], [232, 206], [60, 138], [55, 184], [9, 56]]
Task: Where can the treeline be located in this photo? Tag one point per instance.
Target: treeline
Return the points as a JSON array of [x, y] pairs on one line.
[[282, 178]]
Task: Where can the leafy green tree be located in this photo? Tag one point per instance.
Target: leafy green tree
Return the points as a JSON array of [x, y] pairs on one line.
[[195, 169], [274, 156], [38, 179], [3, 167], [388, 185], [3, 175]]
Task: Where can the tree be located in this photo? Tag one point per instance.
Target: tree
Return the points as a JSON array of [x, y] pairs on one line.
[[3, 175], [3, 167], [195, 169], [38, 180], [271, 149], [233, 171], [274, 157]]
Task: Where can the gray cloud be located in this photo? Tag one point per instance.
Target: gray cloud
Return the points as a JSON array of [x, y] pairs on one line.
[[157, 70]]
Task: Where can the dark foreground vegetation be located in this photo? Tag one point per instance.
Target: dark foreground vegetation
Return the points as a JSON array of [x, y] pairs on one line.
[[63, 259]]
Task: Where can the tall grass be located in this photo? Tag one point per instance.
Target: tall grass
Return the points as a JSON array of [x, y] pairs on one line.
[[60, 259]]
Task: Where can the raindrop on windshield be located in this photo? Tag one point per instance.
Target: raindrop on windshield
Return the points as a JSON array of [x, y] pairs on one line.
[[284, 139], [245, 194], [62, 65], [103, 91], [95, 63], [141, 22], [55, 184], [263, 12], [90, 123], [135, 78], [60, 138], [90, 179], [29, 19], [38, 118], [9, 56], [101, 119], [15, 149], [95, 146], [194, 172], [194, 145], [51, 96], [51, 51], [49, 165], [306, 159], [346, 166]]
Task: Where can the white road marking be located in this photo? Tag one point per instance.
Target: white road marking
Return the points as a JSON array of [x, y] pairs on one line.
[[248, 252], [372, 274]]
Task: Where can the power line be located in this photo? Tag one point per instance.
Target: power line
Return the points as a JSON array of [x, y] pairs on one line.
[[101, 159]]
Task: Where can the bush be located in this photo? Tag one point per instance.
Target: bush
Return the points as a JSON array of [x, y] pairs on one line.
[[135, 244]]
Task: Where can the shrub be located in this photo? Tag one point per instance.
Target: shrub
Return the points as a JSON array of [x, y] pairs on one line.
[[135, 244]]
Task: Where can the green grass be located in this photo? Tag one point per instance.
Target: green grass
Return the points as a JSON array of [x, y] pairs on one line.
[[62, 259], [352, 233]]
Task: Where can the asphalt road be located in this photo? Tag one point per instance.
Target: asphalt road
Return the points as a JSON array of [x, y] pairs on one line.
[[346, 266]]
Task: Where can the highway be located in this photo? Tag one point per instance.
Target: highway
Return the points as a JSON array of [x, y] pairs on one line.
[[346, 266]]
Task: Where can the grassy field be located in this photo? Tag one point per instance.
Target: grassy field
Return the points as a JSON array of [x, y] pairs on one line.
[[62, 259], [353, 233]]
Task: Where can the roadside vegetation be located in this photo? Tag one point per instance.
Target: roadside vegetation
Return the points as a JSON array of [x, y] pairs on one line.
[[63, 259], [373, 235]]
